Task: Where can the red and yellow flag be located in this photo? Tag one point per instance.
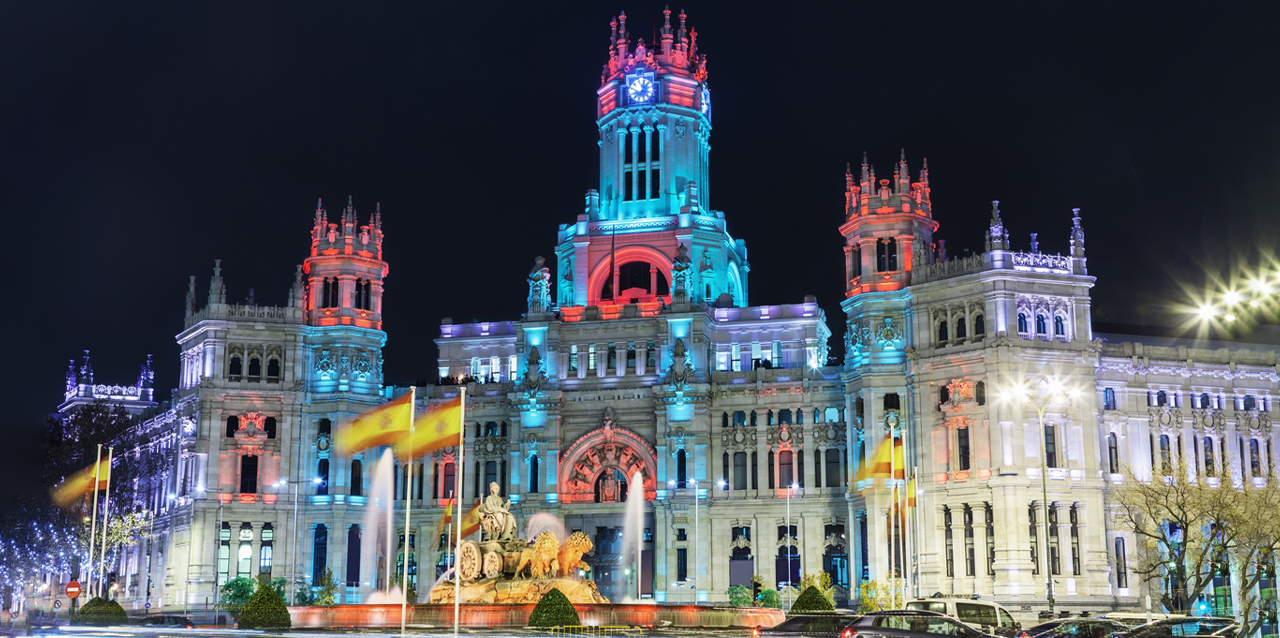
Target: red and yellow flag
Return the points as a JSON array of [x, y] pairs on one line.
[[911, 492], [83, 482], [882, 465], [470, 521], [386, 425], [436, 429]]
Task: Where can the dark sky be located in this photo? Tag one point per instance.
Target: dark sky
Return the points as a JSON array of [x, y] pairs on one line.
[[142, 141]]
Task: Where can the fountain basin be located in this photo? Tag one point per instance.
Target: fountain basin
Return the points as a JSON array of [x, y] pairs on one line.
[[517, 615]]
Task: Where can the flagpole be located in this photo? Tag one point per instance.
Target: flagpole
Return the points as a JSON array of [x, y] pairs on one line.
[[106, 523], [458, 483], [408, 506], [93, 527]]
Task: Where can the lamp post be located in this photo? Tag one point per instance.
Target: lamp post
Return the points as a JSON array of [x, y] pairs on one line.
[[1049, 390], [790, 488], [297, 543]]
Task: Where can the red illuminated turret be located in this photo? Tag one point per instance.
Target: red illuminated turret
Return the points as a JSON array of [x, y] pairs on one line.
[[345, 270], [889, 227]]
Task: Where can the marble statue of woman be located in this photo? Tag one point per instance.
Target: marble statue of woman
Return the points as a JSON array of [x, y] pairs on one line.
[[498, 509]]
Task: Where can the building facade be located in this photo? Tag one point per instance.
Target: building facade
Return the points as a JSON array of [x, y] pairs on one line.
[[640, 365]]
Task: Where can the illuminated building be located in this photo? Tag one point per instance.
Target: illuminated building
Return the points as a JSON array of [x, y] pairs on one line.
[[639, 352]]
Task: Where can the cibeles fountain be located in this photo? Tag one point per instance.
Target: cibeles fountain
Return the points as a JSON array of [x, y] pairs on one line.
[[505, 568]]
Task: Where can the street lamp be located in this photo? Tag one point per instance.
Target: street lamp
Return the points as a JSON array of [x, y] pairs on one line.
[[296, 535], [790, 489], [1049, 390]]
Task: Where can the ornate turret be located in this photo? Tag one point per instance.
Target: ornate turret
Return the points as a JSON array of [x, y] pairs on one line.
[[997, 236], [889, 227], [217, 289], [345, 270]]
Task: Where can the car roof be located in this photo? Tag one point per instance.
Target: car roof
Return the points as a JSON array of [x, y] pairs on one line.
[[906, 612]]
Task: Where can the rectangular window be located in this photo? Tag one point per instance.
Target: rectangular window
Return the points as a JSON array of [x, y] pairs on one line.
[[739, 470], [777, 354], [655, 149], [591, 357], [573, 358], [681, 534], [1050, 447], [682, 564], [626, 186], [631, 355], [249, 475], [612, 359], [655, 184], [1075, 542], [1035, 540], [991, 540], [1122, 565], [962, 447], [650, 356], [643, 183], [969, 566], [627, 143], [1055, 566], [951, 557]]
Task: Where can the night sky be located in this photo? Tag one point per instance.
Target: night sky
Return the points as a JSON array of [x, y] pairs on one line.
[[142, 141]]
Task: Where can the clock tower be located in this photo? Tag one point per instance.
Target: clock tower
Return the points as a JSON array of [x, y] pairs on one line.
[[653, 114]]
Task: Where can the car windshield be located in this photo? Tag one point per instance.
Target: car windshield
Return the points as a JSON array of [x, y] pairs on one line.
[[976, 614], [936, 625], [925, 605], [1181, 627]]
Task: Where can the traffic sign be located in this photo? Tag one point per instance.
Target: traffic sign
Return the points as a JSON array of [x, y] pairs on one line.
[[147, 606], [73, 589], [57, 604]]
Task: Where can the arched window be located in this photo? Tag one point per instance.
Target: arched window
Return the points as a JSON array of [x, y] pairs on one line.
[[1040, 325], [357, 478], [979, 326], [273, 368], [786, 474], [353, 556], [682, 475], [533, 474], [887, 255], [325, 427], [255, 367], [784, 416], [450, 487], [233, 426], [236, 369], [1059, 328], [1255, 458], [320, 553], [1022, 322], [942, 331], [1113, 454], [980, 392], [269, 426], [322, 473], [1250, 403], [960, 328], [1109, 400], [944, 395]]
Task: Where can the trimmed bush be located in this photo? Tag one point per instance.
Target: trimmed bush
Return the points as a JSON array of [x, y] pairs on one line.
[[101, 613], [265, 610], [769, 598], [554, 610], [811, 600]]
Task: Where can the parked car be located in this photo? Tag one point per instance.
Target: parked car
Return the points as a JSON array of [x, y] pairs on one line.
[[983, 615], [1079, 627], [179, 622], [832, 625], [1179, 627], [1131, 620], [911, 624]]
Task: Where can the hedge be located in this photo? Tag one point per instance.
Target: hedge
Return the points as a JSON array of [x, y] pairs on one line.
[[554, 610], [811, 600], [100, 613], [265, 610]]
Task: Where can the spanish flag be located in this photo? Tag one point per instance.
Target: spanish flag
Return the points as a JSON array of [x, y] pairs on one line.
[[911, 491], [881, 466], [470, 521], [386, 425], [436, 429], [83, 482]]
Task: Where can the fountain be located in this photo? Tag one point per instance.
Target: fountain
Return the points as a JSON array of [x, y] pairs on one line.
[[377, 526], [633, 532]]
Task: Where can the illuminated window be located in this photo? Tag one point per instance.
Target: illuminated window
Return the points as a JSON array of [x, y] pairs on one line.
[[573, 358], [224, 552], [1040, 325], [655, 185], [1108, 399], [682, 466], [887, 255], [322, 473], [612, 358], [650, 356], [968, 542], [591, 357], [1210, 464], [1250, 403], [1059, 328], [962, 447]]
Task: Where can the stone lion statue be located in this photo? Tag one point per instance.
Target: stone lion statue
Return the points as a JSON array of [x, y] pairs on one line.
[[571, 553], [540, 558]]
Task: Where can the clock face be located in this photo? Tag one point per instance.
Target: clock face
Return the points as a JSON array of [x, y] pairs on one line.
[[640, 89], [706, 101]]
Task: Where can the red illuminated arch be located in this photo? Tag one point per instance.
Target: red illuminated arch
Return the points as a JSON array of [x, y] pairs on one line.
[[625, 255]]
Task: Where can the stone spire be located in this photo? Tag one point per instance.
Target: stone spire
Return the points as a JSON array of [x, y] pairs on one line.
[[147, 375], [191, 297], [1077, 234], [217, 289], [997, 236]]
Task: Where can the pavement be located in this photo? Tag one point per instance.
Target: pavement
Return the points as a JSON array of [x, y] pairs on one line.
[[442, 632]]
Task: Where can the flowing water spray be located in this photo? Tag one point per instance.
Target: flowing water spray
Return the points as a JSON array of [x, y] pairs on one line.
[[377, 530], [543, 521], [633, 534]]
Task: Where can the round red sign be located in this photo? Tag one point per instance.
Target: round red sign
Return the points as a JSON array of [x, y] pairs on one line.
[[73, 589]]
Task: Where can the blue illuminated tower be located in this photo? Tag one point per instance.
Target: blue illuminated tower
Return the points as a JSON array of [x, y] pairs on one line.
[[653, 112]]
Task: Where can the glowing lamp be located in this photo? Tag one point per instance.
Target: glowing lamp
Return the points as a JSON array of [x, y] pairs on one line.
[[1206, 312], [1231, 298]]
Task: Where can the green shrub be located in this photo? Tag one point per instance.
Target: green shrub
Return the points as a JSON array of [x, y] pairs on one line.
[[739, 596], [554, 610], [811, 600], [769, 598], [235, 593], [100, 613], [265, 610]]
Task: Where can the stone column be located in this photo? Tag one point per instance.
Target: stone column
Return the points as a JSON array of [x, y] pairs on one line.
[[1065, 549], [980, 577]]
